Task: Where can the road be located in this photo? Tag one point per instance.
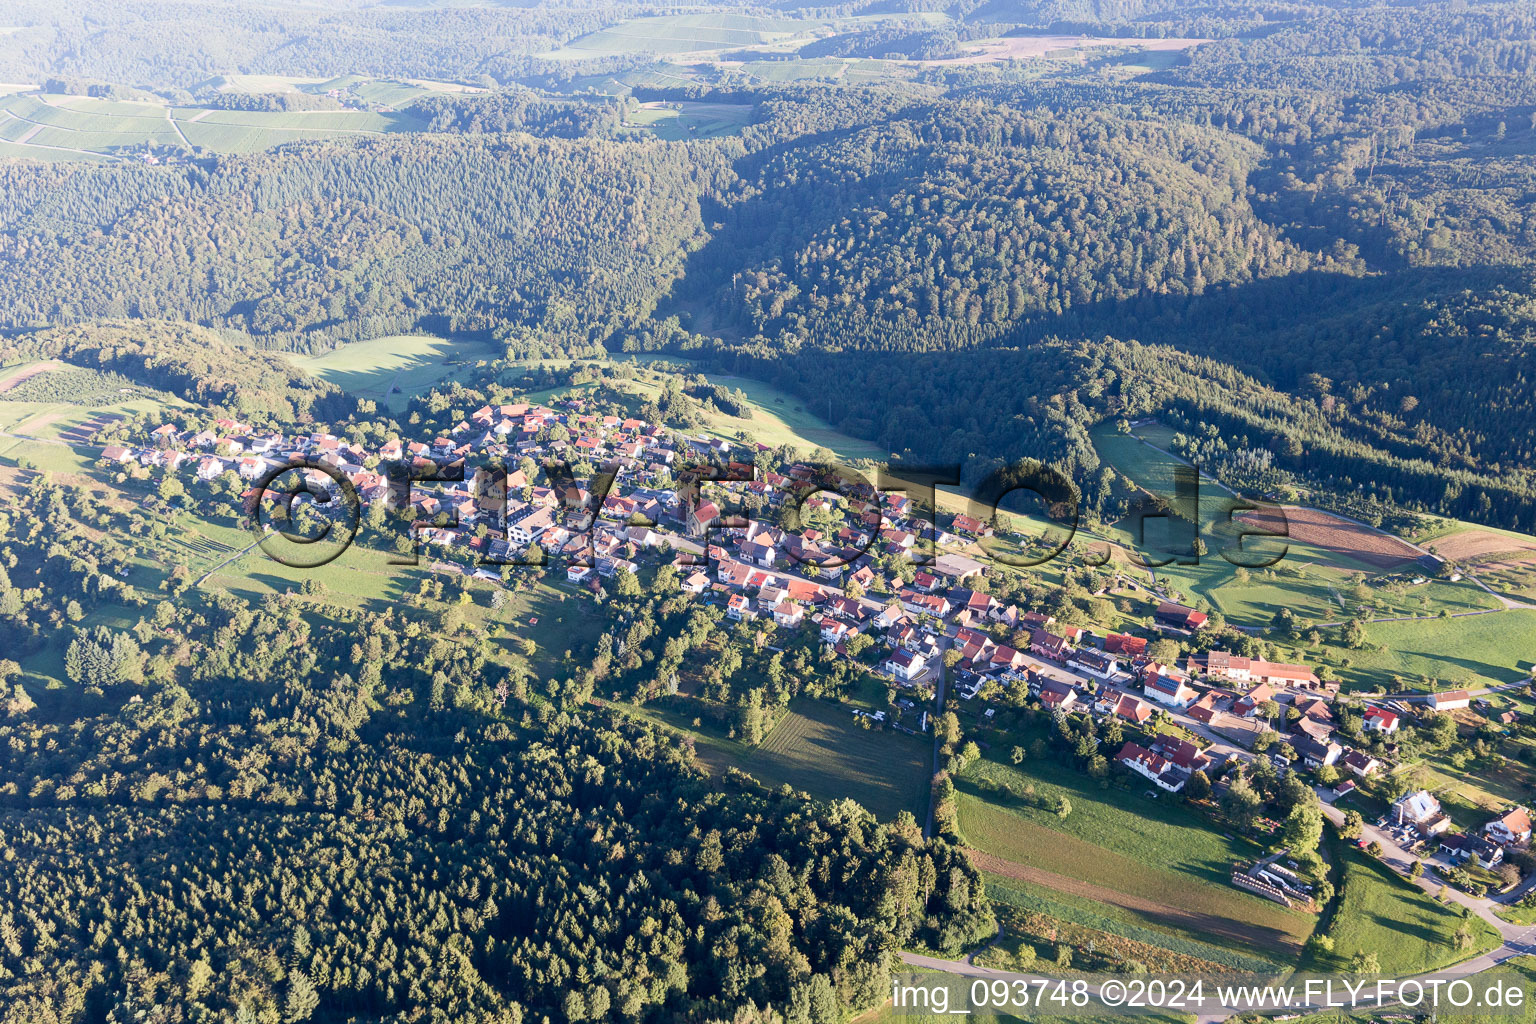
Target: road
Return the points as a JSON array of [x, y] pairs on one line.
[[938, 706], [1517, 938], [179, 132]]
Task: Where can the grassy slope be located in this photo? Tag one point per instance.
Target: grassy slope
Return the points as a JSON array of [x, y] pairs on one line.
[[413, 363], [1116, 838], [819, 748], [1409, 932]]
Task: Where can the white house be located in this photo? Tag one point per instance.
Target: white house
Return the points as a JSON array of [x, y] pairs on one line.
[[905, 665], [1380, 720], [1513, 827], [1167, 686]]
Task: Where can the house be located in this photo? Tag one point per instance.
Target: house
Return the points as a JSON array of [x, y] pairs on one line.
[[1237, 669], [924, 604], [740, 608], [1167, 686], [1320, 731], [1247, 705], [1133, 710], [696, 584], [1513, 827], [1362, 764], [1177, 617], [788, 613], [905, 665], [1124, 643], [834, 632], [1488, 853], [209, 469], [1181, 752], [1316, 710], [1450, 700], [1158, 769], [1380, 720], [529, 523], [1204, 710], [578, 573], [1279, 673], [1315, 754], [971, 525], [1421, 810], [116, 453], [1093, 663], [1056, 696], [1048, 645], [701, 517], [759, 554]]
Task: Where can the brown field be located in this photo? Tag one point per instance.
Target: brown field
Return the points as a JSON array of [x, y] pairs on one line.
[[1471, 544], [15, 377], [1332, 533], [1177, 917]]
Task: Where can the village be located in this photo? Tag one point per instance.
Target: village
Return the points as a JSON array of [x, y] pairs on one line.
[[594, 496]]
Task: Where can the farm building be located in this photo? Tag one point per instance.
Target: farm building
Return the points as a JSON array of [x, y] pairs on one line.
[[1450, 700]]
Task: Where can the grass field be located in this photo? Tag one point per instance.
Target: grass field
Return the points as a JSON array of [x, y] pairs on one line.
[[820, 749], [410, 363], [688, 120], [777, 418], [1317, 585], [1145, 856], [1381, 913], [52, 127], [684, 33], [1054, 914], [1520, 971], [1474, 650]]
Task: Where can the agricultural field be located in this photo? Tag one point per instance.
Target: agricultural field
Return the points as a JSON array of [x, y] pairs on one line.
[[1040, 917], [819, 748], [65, 123], [1334, 569], [687, 120], [1473, 651], [392, 369], [70, 127], [1409, 932], [1158, 861], [685, 33], [73, 385], [49, 412]]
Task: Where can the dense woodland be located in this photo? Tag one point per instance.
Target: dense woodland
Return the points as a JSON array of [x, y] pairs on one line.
[[296, 811]]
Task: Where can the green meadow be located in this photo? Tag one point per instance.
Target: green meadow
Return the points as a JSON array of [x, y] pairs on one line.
[[392, 369], [818, 748]]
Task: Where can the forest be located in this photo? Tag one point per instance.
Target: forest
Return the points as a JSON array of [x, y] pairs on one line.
[[288, 806]]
